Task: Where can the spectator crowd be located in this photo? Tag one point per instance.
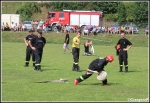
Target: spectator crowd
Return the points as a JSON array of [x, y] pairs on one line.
[[86, 30]]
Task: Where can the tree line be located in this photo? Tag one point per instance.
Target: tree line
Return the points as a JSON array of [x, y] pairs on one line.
[[113, 11]]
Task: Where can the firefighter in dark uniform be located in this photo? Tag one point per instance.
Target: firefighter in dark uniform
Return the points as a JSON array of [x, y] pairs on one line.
[[76, 51], [96, 66], [125, 45], [38, 49], [29, 51]]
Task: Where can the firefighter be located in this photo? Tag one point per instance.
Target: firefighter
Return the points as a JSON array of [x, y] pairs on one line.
[[123, 46], [38, 49], [96, 66], [29, 51], [76, 51]]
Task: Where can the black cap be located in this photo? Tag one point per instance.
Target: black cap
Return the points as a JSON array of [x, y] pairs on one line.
[[31, 30], [40, 32]]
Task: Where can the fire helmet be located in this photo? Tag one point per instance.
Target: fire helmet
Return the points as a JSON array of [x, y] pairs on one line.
[[109, 58]]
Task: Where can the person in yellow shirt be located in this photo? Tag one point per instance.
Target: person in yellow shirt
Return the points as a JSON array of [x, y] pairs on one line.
[[7, 26], [122, 28], [75, 51]]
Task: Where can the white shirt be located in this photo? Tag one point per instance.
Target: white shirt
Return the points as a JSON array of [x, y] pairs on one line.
[[12, 25]]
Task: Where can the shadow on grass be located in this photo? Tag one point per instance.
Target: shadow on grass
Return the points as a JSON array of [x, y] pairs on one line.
[[51, 81], [109, 84], [45, 69], [130, 71]]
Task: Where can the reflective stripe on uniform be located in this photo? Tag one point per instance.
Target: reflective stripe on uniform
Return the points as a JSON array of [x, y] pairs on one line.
[[81, 78], [75, 63], [37, 64]]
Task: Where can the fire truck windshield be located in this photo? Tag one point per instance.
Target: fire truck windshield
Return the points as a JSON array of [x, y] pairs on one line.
[[51, 15]]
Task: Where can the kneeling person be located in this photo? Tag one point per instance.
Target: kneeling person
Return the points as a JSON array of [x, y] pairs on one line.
[[87, 44]]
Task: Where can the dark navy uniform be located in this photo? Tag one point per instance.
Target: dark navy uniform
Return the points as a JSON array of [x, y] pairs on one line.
[[75, 52], [29, 51], [86, 50], [123, 55], [96, 65], [39, 45]]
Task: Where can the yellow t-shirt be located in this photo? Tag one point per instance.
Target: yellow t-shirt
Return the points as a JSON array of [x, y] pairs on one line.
[[122, 28], [75, 39]]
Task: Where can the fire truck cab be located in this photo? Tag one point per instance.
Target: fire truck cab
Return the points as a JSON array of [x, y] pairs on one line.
[[74, 18]]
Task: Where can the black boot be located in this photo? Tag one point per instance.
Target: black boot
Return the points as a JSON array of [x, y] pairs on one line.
[[33, 64], [73, 67], [126, 69], [26, 64], [39, 68], [104, 82], [35, 68], [78, 69], [120, 69]]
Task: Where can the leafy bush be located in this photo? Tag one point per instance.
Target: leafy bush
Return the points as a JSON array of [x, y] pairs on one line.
[[27, 10]]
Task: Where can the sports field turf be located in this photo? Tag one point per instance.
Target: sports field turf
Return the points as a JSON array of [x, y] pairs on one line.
[[24, 84]]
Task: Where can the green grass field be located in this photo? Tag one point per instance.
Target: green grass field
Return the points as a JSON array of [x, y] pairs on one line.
[[21, 83]]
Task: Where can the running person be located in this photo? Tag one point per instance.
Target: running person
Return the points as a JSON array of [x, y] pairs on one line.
[[125, 45], [29, 51], [66, 42], [96, 66], [38, 49], [76, 51]]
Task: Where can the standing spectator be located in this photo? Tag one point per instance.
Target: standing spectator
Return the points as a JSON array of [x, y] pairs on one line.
[[3, 26], [94, 31], [96, 66], [40, 23], [87, 44], [29, 51], [38, 49], [44, 28], [75, 51], [125, 45], [58, 26], [66, 42], [119, 29], [33, 23], [36, 23]]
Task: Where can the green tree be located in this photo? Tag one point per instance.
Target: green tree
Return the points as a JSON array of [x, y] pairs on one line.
[[27, 9], [129, 10], [141, 12], [121, 13]]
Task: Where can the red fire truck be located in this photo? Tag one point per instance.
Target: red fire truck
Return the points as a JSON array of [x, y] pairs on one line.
[[74, 18]]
